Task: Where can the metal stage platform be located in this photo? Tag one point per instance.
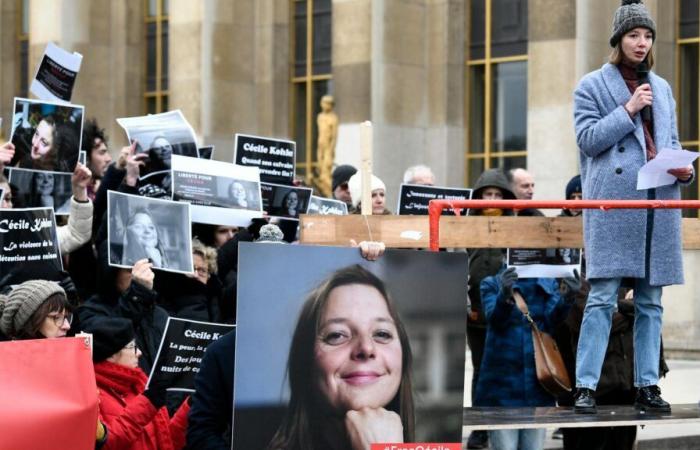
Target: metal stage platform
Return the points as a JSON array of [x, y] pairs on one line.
[[500, 418]]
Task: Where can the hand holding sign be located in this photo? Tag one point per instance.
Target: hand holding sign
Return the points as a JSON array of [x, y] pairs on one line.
[[142, 274], [508, 279], [7, 152], [79, 182]]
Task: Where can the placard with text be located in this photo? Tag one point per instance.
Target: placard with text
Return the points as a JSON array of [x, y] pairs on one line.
[[414, 198], [274, 157]]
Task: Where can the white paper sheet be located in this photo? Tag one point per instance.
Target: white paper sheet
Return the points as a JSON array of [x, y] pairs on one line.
[[655, 173], [56, 74]]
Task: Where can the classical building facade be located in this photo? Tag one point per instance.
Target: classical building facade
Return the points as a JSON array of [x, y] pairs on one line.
[[460, 85]]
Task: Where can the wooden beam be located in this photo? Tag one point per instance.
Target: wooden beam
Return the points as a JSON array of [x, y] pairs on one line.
[[460, 232]]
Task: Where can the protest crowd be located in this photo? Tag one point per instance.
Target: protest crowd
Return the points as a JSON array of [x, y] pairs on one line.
[[138, 247]]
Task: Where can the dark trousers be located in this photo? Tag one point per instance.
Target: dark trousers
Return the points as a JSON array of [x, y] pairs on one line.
[[476, 339]]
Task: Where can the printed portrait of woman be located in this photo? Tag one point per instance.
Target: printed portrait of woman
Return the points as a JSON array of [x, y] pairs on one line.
[[349, 368], [290, 204], [160, 153], [141, 240], [37, 147], [238, 195]]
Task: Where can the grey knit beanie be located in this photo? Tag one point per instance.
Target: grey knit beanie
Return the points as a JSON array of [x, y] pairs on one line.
[[17, 307], [271, 233], [631, 14]]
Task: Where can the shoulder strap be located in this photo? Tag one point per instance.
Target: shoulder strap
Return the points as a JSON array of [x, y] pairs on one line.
[[522, 306]]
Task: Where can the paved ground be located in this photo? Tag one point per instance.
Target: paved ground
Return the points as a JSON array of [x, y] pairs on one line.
[[681, 385]]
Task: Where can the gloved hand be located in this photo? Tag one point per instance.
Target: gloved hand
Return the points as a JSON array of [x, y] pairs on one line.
[[69, 286], [507, 280], [156, 393], [571, 286]]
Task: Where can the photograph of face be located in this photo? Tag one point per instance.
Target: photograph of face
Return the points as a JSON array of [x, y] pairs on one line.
[[147, 228], [160, 136], [341, 334], [285, 201], [46, 135], [43, 189]]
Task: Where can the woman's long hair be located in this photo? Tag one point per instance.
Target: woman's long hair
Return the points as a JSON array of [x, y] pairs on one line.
[[133, 250], [297, 431]]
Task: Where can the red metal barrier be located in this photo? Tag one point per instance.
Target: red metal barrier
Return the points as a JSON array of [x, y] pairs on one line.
[[436, 206]]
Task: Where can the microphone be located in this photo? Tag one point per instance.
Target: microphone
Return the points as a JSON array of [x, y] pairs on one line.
[[643, 77]]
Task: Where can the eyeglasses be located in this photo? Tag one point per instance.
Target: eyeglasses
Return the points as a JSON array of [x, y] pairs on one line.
[[132, 346], [203, 271], [58, 319]]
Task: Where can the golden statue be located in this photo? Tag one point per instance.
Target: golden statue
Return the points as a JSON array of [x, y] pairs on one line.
[[327, 122]]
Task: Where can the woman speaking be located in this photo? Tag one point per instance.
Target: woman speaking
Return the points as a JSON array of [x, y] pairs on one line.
[[624, 115]]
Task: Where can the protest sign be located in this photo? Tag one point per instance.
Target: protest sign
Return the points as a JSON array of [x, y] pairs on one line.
[[43, 189], [29, 244], [220, 193], [160, 136], [181, 351], [545, 262], [278, 338], [326, 206], [149, 228], [274, 157], [206, 152], [55, 77], [47, 135], [283, 201], [2, 196], [414, 198], [49, 395]]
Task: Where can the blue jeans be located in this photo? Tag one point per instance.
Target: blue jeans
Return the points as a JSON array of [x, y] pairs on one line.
[[530, 439], [595, 331]]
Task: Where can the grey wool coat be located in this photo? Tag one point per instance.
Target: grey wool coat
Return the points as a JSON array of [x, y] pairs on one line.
[[612, 150]]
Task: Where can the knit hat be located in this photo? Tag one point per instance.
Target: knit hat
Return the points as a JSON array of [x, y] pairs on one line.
[[271, 233], [109, 335], [342, 174], [17, 308], [355, 187], [631, 14], [573, 187]]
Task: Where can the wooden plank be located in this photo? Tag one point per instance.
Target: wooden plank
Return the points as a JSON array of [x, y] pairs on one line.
[[460, 232], [496, 418]]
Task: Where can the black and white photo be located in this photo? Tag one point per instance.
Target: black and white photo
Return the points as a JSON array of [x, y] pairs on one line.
[[544, 262], [326, 206], [220, 193], [148, 228], [414, 198], [283, 201], [56, 74], [43, 189], [274, 157], [47, 135], [160, 136]]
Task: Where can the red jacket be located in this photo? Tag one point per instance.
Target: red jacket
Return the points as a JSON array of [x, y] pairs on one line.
[[132, 422]]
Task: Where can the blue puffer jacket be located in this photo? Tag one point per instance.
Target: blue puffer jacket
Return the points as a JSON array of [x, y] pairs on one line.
[[508, 376]]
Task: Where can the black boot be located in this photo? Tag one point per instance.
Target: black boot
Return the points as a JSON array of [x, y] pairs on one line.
[[584, 402], [649, 399], [478, 439]]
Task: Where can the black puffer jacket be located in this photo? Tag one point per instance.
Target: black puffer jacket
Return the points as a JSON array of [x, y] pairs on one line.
[[187, 298]]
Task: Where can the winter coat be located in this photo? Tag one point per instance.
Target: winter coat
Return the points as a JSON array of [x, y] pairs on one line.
[[79, 228], [612, 150], [132, 422], [507, 376], [212, 403], [188, 298]]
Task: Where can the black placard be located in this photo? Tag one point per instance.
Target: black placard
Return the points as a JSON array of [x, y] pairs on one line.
[[274, 157], [181, 351], [414, 198], [206, 152], [28, 244], [56, 79], [326, 206]]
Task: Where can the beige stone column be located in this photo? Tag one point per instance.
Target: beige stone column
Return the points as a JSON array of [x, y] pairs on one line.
[[229, 68], [552, 153], [9, 55], [109, 35]]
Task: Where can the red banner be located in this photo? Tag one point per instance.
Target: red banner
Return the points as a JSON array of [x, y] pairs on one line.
[[48, 395]]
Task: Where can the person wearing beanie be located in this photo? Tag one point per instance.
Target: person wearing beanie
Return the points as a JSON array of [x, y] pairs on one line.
[[35, 309], [623, 114], [136, 418], [341, 176], [573, 191], [492, 184], [378, 195], [271, 233]]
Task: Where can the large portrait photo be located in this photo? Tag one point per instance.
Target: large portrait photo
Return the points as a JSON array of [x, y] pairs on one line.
[[146, 228], [339, 336], [47, 136]]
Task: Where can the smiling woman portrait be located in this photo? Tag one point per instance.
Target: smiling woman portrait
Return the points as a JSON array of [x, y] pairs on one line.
[[349, 369]]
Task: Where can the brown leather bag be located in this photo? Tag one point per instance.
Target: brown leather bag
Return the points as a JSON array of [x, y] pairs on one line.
[[549, 365]]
